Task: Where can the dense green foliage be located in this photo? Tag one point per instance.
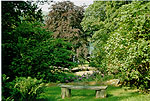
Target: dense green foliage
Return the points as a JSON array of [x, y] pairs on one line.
[[28, 88], [12, 14], [64, 20], [21, 88], [97, 23], [128, 48], [121, 39], [36, 50], [29, 50], [6, 87], [118, 31]]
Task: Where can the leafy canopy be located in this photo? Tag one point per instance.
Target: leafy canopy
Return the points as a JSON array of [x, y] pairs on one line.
[[13, 13], [120, 36]]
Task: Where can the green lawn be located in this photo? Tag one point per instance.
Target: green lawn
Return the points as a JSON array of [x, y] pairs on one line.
[[53, 93]]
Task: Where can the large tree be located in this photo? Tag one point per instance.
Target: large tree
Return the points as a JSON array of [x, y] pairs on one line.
[[64, 20], [36, 51], [128, 47], [13, 13], [98, 24], [121, 40], [27, 48]]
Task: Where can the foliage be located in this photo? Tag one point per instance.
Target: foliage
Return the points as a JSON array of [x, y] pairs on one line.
[[29, 48], [37, 50], [64, 20], [69, 77], [97, 23], [29, 88], [128, 48], [13, 12], [19, 89], [54, 75], [6, 88], [121, 40], [95, 76]]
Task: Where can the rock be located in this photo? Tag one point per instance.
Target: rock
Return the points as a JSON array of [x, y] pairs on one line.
[[83, 68], [66, 69], [83, 72], [76, 69], [91, 68], [59, 67]]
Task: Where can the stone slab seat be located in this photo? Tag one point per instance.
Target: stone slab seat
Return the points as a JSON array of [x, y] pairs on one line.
[[66, 90]]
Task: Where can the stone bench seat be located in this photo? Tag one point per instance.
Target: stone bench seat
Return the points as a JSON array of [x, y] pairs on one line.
[[66, 90]]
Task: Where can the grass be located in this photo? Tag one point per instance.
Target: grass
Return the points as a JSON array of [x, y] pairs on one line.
[[53, 93]]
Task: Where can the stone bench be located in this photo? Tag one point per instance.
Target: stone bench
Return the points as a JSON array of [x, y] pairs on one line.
[[66, 90]]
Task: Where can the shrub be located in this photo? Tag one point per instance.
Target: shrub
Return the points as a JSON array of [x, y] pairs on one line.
[[6, 88], [29, 87], [51, 75], [21, 89], [69, 78], [128, 47], [122, 41], [36, 50]]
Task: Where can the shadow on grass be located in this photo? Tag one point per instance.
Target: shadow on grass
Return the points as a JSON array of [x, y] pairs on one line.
[[109, 95]]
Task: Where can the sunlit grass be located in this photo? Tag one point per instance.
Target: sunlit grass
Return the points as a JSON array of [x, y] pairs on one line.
[[53, 93]]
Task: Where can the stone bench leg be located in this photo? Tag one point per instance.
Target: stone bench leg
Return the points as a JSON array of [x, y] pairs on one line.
[[100, 93], [65, 92]]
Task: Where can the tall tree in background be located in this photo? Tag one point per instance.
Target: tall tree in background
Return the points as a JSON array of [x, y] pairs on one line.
[[64, 20]]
